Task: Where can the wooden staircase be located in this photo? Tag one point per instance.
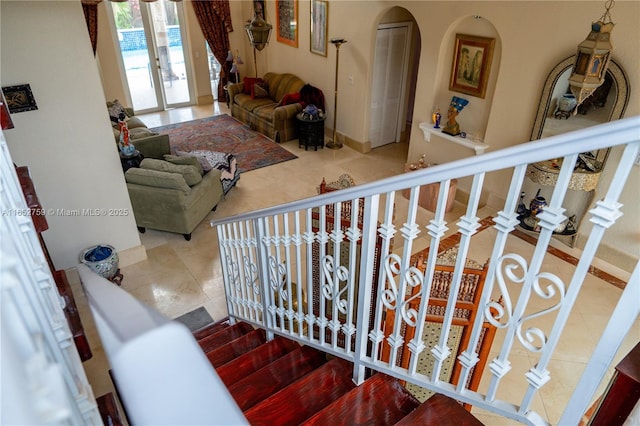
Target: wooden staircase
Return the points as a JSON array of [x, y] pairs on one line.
[[282, 383]]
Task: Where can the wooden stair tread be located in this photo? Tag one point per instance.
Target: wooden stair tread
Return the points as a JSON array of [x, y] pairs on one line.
[[308, 395], [210, 329], [224, 336], [254, 360], [440, 410], [265, 382], [237, 347], [380, 400]]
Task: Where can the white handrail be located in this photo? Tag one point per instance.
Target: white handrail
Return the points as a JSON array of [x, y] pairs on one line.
[[615, 133], [309, 269]]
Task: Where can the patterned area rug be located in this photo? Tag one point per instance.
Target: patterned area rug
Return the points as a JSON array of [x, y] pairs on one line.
[[223, 133]]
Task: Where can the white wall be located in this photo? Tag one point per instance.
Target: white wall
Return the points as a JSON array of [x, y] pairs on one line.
[[532, 37], [67, 143]]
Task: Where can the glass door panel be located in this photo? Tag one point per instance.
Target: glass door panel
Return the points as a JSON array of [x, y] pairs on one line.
[[151, 43], [170, 51], [135, 55]]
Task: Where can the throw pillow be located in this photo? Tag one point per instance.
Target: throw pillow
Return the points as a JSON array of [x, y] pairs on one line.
[[140, 132], [189, 173], [115, 108], [259, 90], [290, 98], [186, 160], [249, 82]]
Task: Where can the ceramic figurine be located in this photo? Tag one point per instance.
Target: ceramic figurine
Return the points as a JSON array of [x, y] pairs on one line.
[[537, 204], [452, 127], [436, 118], [522, 208]]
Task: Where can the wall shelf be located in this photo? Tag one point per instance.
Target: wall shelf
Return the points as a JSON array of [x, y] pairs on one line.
[[477, 145]]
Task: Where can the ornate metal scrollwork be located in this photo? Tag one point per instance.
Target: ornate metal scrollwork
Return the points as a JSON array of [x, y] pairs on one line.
[[513, 268], [331, 287], [413, 277], [234, 273], [251, 275], [277, 277]]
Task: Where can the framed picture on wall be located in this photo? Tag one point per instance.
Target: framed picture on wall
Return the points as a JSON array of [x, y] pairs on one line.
[[319, 16], [19, 98], [287, 22], [258, 9], [471, 64]]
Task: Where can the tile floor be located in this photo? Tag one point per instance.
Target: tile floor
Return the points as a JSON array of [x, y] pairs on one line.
[[179, 276]]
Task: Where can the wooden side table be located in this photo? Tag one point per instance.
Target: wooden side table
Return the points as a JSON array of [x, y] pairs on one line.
[[310, 132], [429, 193]]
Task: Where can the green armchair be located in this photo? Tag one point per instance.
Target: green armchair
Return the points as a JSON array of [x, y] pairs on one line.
[[171, 196]]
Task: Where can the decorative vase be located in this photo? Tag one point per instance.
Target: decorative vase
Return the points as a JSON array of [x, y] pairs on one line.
[[101, 259], [567, 103], [536, 205]]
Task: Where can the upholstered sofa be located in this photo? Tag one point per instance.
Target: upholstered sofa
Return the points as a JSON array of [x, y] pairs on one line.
[[141, 136], [268, 112], [171, 193]]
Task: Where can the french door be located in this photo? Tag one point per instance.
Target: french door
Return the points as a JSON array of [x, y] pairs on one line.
[[152, 45]]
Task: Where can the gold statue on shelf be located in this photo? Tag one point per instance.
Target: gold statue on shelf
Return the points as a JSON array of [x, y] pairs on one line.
[[452, 127]]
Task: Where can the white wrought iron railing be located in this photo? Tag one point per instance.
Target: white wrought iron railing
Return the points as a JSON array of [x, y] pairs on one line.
[[336, 272], [43, 379]]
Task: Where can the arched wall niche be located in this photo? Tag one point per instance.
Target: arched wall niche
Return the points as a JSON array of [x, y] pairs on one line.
[[555, 85], [474, 117]]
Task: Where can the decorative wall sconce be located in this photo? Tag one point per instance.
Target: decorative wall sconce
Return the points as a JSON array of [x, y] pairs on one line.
[[592, 59]]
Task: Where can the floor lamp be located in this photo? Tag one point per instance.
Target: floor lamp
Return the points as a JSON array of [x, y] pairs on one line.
[[334, 144]]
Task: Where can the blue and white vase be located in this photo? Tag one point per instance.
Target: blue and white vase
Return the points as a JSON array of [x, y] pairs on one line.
[[101, 259]]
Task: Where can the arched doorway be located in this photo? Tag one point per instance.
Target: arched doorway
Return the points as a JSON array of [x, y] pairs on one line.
[[396, 58]]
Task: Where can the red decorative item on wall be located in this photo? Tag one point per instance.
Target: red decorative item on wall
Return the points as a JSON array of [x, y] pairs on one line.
[[5, 118]]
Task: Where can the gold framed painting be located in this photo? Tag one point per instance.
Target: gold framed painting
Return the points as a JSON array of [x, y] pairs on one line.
[[319, 15], [471, 64], [287, 22]]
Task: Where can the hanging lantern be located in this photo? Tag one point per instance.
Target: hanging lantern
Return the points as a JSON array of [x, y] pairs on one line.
[[592, 58], [258, 31]]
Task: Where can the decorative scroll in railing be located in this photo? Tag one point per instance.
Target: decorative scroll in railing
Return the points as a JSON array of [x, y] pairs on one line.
[[339, 272], [42, 371]]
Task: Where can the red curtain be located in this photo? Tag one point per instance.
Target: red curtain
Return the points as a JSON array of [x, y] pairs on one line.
[[91, 16], [215, 21]]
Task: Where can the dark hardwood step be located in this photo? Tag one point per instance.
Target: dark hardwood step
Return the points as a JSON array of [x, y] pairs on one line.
[[380, 400], [108, 409], [285, 370], [305, 397], [237, 347], [254, 360], [210, 329], [224, 336], [442, 411]]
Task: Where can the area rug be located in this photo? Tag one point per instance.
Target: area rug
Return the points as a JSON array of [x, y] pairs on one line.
[[195, 319], [223, 133]]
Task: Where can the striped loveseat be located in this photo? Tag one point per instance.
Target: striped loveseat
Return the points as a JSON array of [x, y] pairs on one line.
[[271, 115]]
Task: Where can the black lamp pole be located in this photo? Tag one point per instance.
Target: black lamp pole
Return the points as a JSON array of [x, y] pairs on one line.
[[334, 144]]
